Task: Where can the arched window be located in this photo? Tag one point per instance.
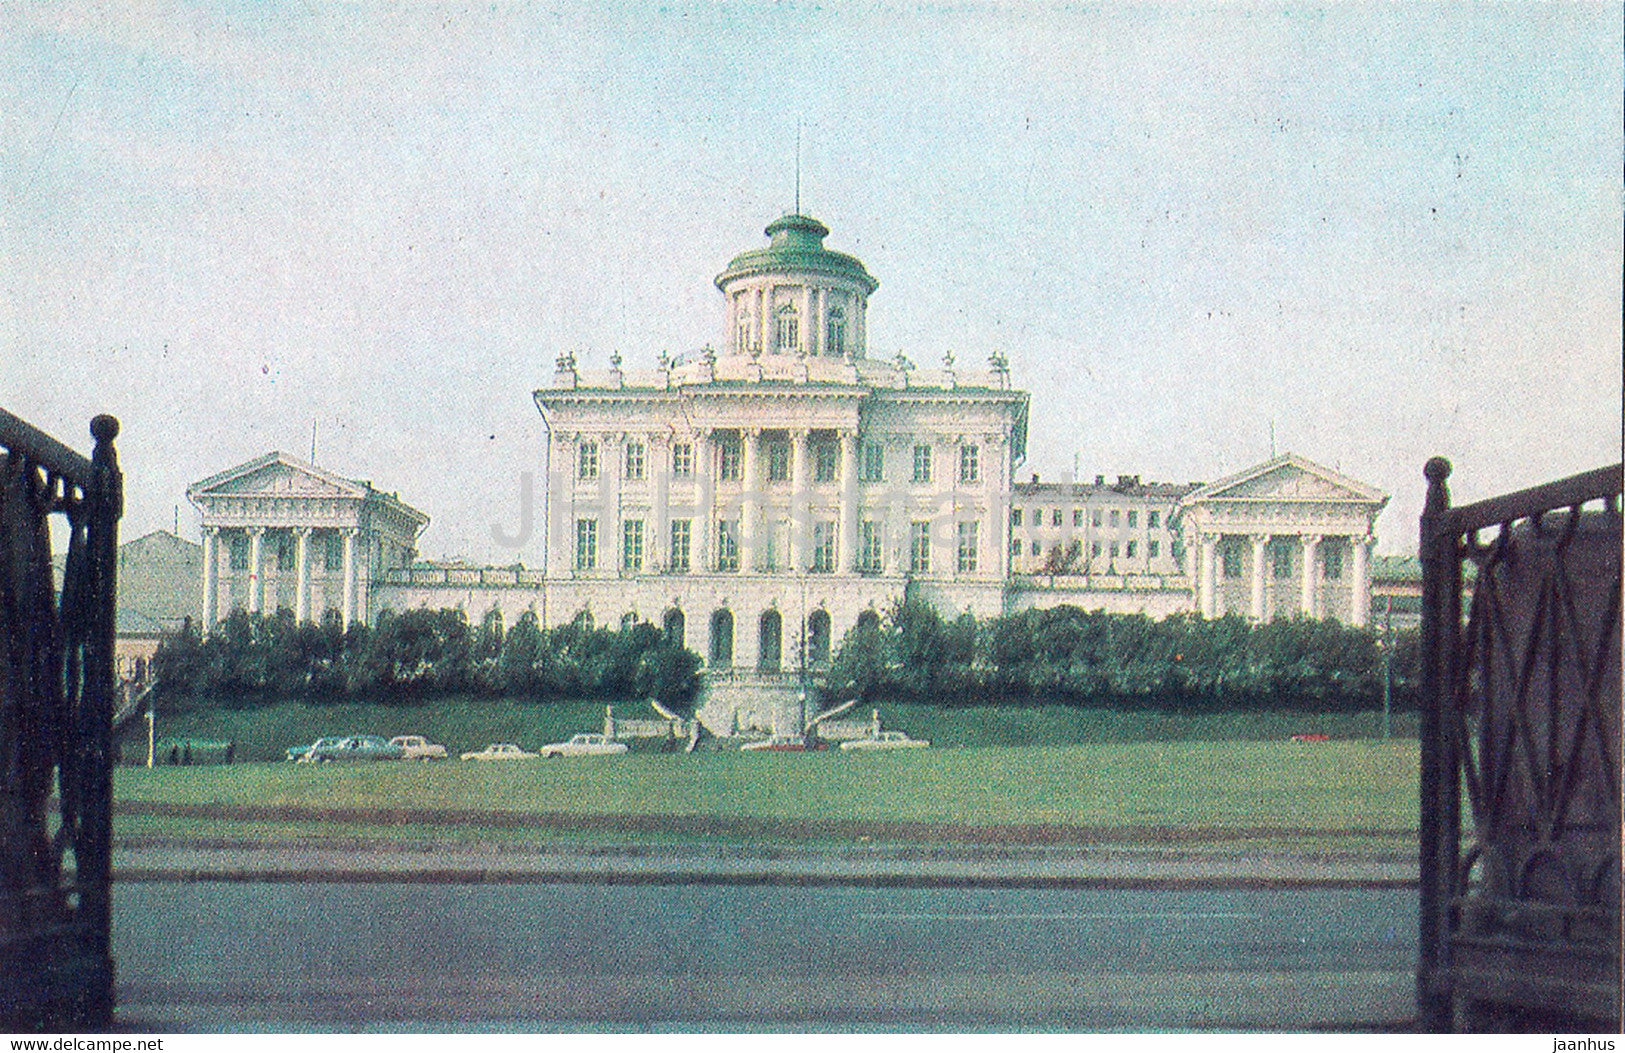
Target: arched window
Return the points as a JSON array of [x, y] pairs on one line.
[[868, 621], [771, 636], [722, 637], [629, 620], [672, 624], [787, 332], [835, 333], [818, 637]]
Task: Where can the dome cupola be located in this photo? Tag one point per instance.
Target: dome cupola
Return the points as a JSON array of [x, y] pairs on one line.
[[795, 297]]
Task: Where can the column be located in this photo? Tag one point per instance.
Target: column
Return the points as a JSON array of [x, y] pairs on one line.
[[847, 540], [301, 555], [815, 319], [255, 536], [1208, 582], [763, 305], [1360, 587], [349, 577], [997, 488], [611, 473], [700, 536], [806, 337], [660, 465], [211, 577], [1260, 541], [1311, 571], [749, 498], [798, 501], [561, 507]]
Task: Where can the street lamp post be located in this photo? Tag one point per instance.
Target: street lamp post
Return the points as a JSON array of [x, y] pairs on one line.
[[1387, 663]]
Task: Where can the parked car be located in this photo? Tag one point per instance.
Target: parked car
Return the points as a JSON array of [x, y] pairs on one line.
[[416, 747], [498, 751], [347, 748], [786, 744], [585, 745], [886, 740]]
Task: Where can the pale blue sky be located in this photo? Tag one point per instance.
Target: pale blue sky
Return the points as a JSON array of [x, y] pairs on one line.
[[1391, 230]]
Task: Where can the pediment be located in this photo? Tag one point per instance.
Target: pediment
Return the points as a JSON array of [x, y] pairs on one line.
[[1288, 478], [277, 475]]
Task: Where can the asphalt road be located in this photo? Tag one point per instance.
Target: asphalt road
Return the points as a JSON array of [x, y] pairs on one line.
[[210, 956]]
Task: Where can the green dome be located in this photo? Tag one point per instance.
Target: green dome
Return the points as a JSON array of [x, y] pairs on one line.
[[797, 245]]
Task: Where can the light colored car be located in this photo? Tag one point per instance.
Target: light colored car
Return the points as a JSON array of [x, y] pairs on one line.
[[584, 745], [499, 751], [346, 748], [886, 740], [416, 747]]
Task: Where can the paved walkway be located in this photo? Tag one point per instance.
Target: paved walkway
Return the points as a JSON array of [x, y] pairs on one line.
[[365, 861]]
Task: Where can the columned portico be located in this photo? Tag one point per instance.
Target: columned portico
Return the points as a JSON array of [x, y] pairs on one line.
[[271, 513]]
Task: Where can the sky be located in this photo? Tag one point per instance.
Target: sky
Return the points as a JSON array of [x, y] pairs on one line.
[[1374, 232]]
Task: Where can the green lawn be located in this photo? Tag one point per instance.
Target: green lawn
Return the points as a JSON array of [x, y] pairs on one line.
[[1331, 786]]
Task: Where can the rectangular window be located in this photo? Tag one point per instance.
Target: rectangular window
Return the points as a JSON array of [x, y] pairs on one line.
[[970, 464], [922, 464], [682, 460], [1038, 547], [335, 554], [1152, 548], [778, 461], [968, 547], [681, 542], [1230, 558], [1055, 517], [874, 462], [1281, 558], [919, 546], [826, 455], [1133, 519], [1096, 519], [1094, 550], [587, 461], [869, 557], [729, 457], [237, 552], [1130, 550], [727, 545], [1152, 519], [835, 334], [1015, 517], [1331, 562], [1015, 549], [1113, 550], [632, 546], [1077, 517], [586, 544], [1115, 523], [635, 460], [823, 548], [788, 332]]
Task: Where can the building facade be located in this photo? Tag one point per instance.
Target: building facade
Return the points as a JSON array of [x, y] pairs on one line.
[[759, 501]]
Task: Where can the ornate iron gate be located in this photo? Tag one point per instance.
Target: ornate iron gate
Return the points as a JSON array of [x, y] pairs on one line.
[[1520, 697], [56, 704]]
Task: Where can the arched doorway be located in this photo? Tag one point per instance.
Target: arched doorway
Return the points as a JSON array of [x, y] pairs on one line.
[[818, 637], [722, 637], [770, 648], [672, 625]]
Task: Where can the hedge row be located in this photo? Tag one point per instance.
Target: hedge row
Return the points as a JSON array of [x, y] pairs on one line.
[[423, 653], [1072, 656]]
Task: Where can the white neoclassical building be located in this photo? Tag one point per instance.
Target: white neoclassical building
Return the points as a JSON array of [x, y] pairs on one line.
[[762, 499], [279, 532]]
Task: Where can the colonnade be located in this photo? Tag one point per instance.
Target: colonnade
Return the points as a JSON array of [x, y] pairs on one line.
[[1310, 568], [255, 604]]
